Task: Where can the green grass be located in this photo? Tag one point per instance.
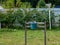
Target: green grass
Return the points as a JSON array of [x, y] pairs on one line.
[[34, 37]]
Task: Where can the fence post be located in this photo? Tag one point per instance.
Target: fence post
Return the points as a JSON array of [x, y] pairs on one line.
[[25, 34], [45, 33]]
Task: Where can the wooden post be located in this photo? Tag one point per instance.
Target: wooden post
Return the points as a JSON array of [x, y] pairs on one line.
[[25, 34], [45, 33]]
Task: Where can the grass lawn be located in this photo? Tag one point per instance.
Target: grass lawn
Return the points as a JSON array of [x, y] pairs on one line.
[[35, 37]]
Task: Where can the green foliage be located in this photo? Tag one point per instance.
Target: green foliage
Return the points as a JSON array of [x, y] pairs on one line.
[[8, 4], [19, 15], [30, 3], [36, 15], [57, 2], [2, 17], [41, 4], [22, 15], [19, 4]]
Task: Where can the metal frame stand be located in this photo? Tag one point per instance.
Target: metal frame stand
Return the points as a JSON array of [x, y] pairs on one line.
[[44, 33]]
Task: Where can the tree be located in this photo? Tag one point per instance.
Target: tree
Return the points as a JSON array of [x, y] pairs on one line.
[[57, 2], [32, 2], [8, 4], [41, 4], [15, 1], [2, 18]]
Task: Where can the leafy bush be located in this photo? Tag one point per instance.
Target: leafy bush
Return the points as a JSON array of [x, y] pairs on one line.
[[41, 4], [19, 17], [8, 4], [2, 17]]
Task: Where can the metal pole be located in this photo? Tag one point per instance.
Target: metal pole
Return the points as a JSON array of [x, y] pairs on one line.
[[0, 25], [45, 33], [25, 34], [49, 5], [49, 20]]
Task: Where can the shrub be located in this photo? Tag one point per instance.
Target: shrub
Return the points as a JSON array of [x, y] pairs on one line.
[[21, 15], [41, 4]]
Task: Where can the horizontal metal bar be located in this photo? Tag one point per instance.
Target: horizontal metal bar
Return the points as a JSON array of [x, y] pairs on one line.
[[41, 26], [40, 22]]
